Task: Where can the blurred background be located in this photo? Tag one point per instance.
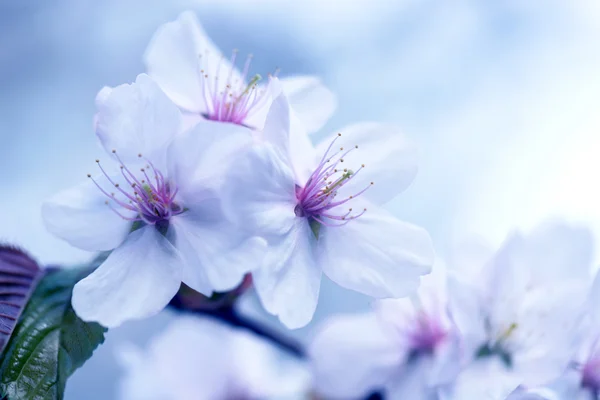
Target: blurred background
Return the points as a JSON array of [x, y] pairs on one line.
[[502, 97]]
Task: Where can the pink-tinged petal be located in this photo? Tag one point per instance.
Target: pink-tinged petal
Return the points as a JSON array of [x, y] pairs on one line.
[[390, 159], [310, 100], [217, 253], [137, 280], [137, 118], [81, 217], [288, 283], [259, 192], [353, 356], [376, 254], [198, 157], [178, 57]]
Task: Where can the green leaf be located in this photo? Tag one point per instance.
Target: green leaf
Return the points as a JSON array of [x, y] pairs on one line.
[[49, 343]]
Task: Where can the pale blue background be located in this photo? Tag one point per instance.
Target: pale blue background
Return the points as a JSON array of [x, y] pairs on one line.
[[502, 97]]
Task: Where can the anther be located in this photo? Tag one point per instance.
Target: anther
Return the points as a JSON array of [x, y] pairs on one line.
[[356, 146], [363, 165], [89, 175], [140, 155], [97, 160], [114, 151], [339, 134]]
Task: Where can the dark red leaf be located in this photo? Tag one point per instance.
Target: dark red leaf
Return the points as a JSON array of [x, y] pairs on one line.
[[19, 274]]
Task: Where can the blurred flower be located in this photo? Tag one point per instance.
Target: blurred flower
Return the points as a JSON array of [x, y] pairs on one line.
[[158, 209], [204, 84], [520, 312], [200, 358], [581, 381], [406, 348], [319, 215]]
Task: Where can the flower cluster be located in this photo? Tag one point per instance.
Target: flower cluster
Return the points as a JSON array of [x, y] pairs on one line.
[[212, 180]]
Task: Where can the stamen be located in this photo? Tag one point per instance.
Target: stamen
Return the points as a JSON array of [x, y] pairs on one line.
[[316, 198], [229, 99], [155, 201]]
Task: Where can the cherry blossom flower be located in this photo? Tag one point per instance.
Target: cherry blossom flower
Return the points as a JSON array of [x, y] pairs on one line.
[[581, 380], [205, 84], [155, 203], [406, 348], [520, 309], [319, 211], [200, 358]]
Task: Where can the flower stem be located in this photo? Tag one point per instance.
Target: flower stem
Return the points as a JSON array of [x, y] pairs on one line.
[[229, 316]]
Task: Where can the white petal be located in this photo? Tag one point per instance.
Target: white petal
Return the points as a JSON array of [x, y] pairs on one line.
[[258, 114], [192, 359], [352, 356], [260, 193], [593, 301], [467, 313], [81, 217], [556, 251], [286, 134], [137, 280], [468, 258], [264, 371], [485, 379], [175, 57], [412, 382], [390, 160], [288, 284], [312, 102], [376, 254], [137, 118], [544, 335], [141, 380], [217, 253], [198, 157]]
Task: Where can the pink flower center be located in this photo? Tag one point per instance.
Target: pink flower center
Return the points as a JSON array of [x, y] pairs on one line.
[[590, 374], [149, 194], [425, 334], [232, 100], [318, 201]]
